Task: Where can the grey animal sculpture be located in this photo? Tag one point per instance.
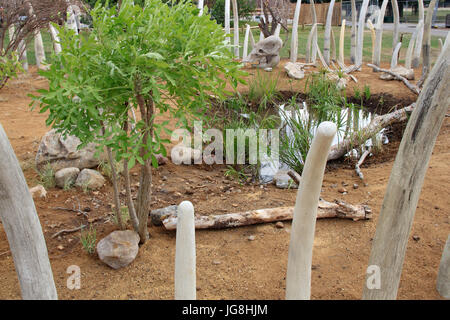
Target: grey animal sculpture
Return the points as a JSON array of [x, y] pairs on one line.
[[265, 53]]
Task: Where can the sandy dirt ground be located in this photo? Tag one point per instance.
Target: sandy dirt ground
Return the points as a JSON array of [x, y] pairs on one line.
[[229, 266]]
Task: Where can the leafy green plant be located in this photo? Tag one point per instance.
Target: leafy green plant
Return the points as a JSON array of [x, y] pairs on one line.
[[367, 92], [137, 58], [124, 215], [88, 239], [9, 67], [236, 174]]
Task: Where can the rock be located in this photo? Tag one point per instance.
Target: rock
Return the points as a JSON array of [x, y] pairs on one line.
[[294, 70], [342, 190], [158, 215], [402, 71], [62, 153], [355, 186], [341, 83], [283, 181], [90, 179], [266, 53], [38, 192], [119, 248], [66, 177], [251, 238], [216, 262], [279, 225], [161, 159], [416, 238]]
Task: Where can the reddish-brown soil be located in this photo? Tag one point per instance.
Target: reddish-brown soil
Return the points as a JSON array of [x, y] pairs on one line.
[[229, 266]]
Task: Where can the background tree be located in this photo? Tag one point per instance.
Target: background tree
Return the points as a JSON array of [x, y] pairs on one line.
[[14, 17], [245, 9], [154, 59]]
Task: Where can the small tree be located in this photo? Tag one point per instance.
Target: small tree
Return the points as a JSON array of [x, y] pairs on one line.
[[155, 58]]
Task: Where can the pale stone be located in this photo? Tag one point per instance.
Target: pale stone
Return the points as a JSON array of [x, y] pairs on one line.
[[266, 53], [38, 192], [90, 179], [401, 71], [119, 248], [62, 152], [66, 176], [294, 70]]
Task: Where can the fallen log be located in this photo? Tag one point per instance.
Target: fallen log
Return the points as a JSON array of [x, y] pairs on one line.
[[360, 137], [338, 209]]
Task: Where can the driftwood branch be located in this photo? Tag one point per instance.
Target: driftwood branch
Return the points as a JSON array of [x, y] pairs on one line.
[[64, 231], [360, 137], [411, 87], [360, 162], [338, 209]]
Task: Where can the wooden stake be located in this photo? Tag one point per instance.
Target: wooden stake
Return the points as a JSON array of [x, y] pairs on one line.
[[23, 229], [298, 276], [185, 273], [406, 180]]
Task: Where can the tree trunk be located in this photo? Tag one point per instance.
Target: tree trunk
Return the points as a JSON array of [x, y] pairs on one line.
[[23, 229], [406, 180]]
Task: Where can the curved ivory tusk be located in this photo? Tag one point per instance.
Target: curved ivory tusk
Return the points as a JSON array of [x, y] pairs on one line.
[[294, 38], [185, 273], [396, 23], [236, 28], [227, 19], [394, 60], [200, 7], [360, 38], [326, 38], [413, 43], [55, 38], [311, 45], [247, 35], [353, 38], [341, 42], [376, 57], [298, 278], [23, 229]]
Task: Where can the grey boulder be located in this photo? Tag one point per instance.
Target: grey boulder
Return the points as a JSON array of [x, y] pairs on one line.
[[119, 248]]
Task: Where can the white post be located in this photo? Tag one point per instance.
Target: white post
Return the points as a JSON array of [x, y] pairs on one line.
[[341, 42], [227, 19], [294, 38], [39, 49], [200, 7], [405, 183], [298, 278], [394, 60], [379, 35], [354, 29], [246, 37], [23, 229], [396, 23], [185, 272], [55, 38], [360, 38], [236, 28], [71, 21], [326, 39]]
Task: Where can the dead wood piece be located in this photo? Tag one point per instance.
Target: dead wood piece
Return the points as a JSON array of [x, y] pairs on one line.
[[72, 210], [410, 86], [378, 123], [338, 209], [64, 231], [360, 162], [295, 176]]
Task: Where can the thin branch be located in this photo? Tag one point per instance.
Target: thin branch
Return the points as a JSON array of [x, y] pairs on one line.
[[411, 87]]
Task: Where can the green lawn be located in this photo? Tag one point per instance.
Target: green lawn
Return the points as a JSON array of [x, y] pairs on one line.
[[303, 36]]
